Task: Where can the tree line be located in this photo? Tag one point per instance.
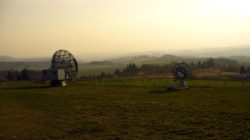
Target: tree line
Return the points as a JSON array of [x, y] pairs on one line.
[[131, 70], [23, 75], [150, 69]]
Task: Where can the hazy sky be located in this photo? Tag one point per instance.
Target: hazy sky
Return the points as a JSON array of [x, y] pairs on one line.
[[106, 27]]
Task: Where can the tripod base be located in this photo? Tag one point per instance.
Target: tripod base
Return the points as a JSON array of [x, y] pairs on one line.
[[177, 85]]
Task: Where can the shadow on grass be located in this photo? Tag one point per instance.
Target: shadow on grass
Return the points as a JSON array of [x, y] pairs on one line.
[[163, 91]]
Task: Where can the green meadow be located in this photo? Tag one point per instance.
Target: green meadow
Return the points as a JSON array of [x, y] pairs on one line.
[[125, 109]]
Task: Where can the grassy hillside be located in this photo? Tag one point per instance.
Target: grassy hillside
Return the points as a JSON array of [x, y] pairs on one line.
[[125, 109], [95, 69]]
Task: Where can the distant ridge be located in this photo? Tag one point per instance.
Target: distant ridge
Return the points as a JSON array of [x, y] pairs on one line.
[[172, 58], [230, 56], [216, 52], [5, 58], [8, 63], [100, 63]]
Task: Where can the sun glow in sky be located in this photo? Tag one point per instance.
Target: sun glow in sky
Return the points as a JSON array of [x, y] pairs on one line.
[[95, 28]]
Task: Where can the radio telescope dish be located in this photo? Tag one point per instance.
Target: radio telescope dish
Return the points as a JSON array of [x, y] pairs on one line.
[[63, 59], [181, 73], [63, 68]]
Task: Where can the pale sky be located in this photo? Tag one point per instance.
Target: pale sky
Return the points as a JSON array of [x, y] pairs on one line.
[[93, 28]]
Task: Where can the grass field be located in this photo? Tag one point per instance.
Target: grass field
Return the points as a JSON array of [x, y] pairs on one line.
[[125, 109]]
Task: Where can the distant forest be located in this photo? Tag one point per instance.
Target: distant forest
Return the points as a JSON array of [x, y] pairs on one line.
[[156, 69], [140, 66]]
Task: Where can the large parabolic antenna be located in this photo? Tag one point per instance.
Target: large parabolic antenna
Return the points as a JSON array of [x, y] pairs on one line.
[[63, 68], [181, 73]]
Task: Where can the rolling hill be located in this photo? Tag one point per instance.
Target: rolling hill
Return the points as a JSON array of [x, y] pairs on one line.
[[224, 56]]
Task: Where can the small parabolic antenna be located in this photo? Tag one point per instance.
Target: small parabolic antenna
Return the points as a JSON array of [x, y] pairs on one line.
[[63, 68], [181, 73]]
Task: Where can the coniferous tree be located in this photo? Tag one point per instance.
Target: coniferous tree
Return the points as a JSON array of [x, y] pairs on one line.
[[242, 70]]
